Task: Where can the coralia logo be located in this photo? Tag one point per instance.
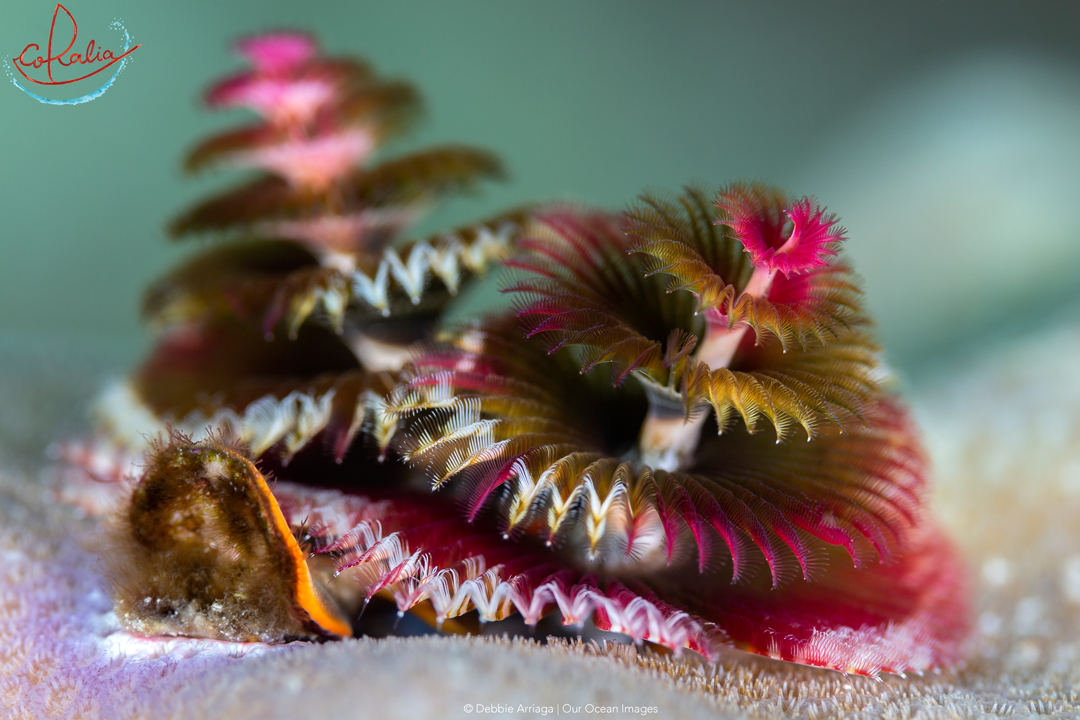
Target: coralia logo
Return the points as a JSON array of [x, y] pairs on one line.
[[68, 66]]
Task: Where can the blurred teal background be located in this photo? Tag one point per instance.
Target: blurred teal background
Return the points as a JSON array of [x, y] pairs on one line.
[[946, 135]]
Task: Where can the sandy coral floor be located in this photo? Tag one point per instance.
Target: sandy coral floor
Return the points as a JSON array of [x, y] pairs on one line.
[[1003, 426]]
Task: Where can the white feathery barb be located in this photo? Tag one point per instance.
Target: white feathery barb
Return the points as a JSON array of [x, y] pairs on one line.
[[373, 290], [383, 561], [488, 245], [293, 420], [443, 259], [335, 300], [527, 493], [599, 510], [444, 587], [439, 393], [559, 507], [462, 423], [372, 414], [356, 541], [123, 418], [296, 418], [411, 276]]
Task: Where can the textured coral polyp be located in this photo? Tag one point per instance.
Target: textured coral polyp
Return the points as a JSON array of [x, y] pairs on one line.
[[680, 432]]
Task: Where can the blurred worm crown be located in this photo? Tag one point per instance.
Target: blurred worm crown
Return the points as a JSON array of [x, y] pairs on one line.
[[678, 433]]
